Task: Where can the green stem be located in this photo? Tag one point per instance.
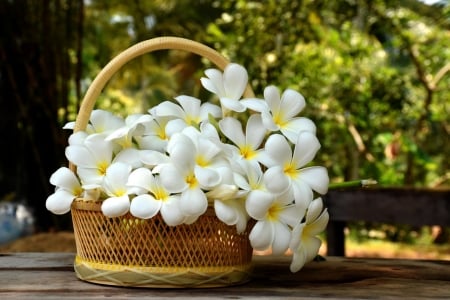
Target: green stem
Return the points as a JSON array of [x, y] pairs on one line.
[[352, 183]]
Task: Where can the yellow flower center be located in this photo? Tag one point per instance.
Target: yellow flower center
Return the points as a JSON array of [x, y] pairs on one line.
[[120, 192], [191, 181], [290, 170], [274, 212], [279, 120], [102, 166], [77, 191], [247, 152], [201, 161], [161, 133], [160, 194], [125, 142]]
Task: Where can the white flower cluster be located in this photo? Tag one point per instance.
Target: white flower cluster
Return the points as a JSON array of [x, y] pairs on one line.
[[182, 157]]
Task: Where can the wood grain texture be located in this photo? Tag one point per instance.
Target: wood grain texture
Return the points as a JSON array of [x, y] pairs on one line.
[[51, 276]]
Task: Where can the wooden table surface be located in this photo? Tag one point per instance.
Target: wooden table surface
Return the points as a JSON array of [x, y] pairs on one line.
[[51, 276]]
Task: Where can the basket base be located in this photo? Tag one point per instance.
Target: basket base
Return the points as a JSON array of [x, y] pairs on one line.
[[156, 277]]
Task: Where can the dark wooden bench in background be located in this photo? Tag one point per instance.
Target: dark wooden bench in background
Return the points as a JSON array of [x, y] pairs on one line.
[[410, 206]]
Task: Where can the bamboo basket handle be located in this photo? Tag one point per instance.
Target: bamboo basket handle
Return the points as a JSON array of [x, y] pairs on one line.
[[160, 43]]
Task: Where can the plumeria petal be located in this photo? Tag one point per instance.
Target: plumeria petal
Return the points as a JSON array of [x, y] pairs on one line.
[[214, 81], [320, 224], [282, 237], [297, 125], [278, 149], [258, 204], [298, 260], [272, 97], [275, 180], [104, 121], [116, 206], [262, 235], [235, 79], [66, 179], [59, 202], [145, 206], [225, 213], [232, 104], [232, 129], [306, 148], [291, 103], [193, 202], [316, 177], [314, 210], [171, 213], [142, 178], [255, 131]]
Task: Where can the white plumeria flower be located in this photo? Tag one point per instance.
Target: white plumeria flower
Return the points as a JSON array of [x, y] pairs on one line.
[[280, 113], [147, 205], [92, 158], [156, 137], [229, 201], [232, 212], [258, 199], [285, 169], [114, 184], [248, 144], [229, 86], [100, 121], [190, 111], [305, 244], [135, 125], [274, 229], [67, 189], [194, 167]]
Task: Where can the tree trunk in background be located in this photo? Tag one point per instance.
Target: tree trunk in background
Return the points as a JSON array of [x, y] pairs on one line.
[[35, 79]]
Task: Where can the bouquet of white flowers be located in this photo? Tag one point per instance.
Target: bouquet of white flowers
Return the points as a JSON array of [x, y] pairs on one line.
[[248, 158]]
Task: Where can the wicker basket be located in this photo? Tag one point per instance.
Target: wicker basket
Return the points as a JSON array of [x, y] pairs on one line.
[[127, 251]]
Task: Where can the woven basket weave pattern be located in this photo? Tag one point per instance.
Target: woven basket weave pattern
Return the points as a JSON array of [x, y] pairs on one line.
[[129, 251], [134, 242]]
